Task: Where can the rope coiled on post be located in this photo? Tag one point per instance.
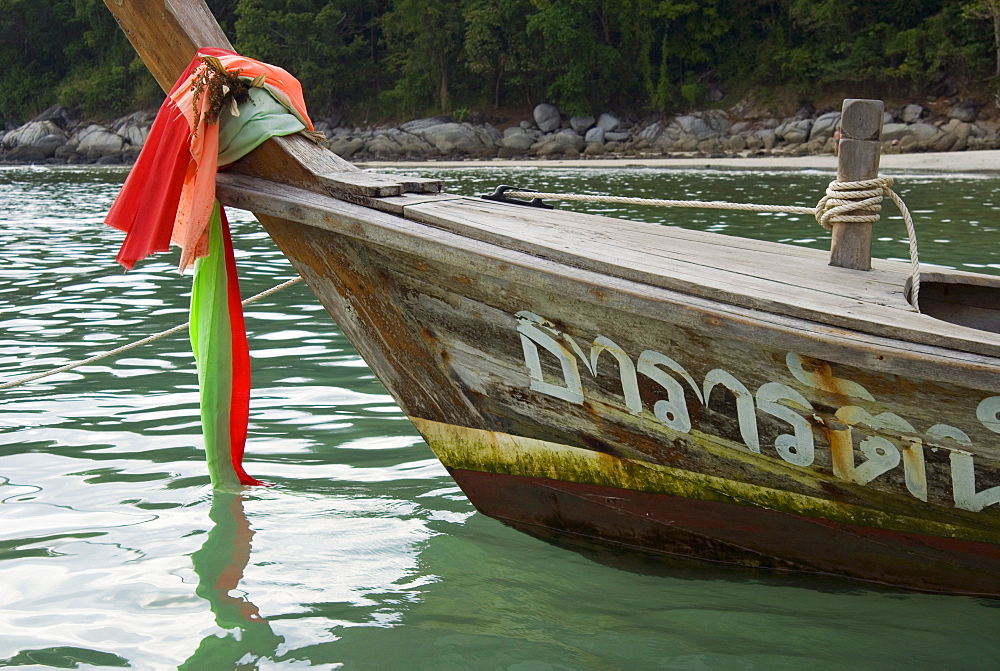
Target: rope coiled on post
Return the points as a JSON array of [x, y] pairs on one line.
[[138, 343], [844, 202]]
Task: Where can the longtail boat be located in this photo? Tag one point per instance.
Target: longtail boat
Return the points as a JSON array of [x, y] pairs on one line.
[[665, 390]]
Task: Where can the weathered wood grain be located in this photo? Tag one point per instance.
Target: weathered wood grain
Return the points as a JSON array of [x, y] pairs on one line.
[[861, 125]]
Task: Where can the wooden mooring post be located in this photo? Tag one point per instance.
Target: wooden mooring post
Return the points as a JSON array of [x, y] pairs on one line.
[[860, 146]]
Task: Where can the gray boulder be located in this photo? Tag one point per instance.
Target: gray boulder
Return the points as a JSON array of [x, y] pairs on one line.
[[418, 125], [134, 128], [48, 145], [894, 131], [709, 146], [739, 127], [66, 151], [547, 117], [608, 121], [798, 131], [25, 153], [462, 138], [954, 136], [664, 143], [767, 137], [346, 146], [650, 132], [564, 142], [912, 113], [412, 144], [779, 132], [966, 111], [581, 124], [686, 143], [716, 120], [383, 145], [961, 129], [516, 143], [97, 141], [693, 126], [30, 133], [595, 134], [617, 136], [58, 115], [824, 126], [944, 141], [923, 132]]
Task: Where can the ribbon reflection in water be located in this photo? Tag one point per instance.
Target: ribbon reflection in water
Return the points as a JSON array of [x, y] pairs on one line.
[[220, 564]]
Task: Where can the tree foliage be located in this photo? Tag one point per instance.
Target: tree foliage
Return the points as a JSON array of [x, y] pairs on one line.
[[330, 45], [381, 58], [424, 40]]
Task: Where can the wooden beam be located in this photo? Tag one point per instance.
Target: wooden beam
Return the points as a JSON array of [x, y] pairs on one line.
[[860, 144], [167, 33]]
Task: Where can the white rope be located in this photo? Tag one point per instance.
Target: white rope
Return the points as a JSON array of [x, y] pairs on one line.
[[844, 203], [137, 343]]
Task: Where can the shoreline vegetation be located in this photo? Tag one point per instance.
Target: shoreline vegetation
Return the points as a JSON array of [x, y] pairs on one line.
[[55, 137], [675, 80]]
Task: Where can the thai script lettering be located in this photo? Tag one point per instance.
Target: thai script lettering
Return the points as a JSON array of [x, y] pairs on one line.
[[777, 400]]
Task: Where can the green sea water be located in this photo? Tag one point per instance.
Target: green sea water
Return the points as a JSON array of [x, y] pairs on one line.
[[115, 553]]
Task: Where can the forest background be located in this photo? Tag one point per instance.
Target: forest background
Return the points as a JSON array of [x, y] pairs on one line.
[[368, 61]]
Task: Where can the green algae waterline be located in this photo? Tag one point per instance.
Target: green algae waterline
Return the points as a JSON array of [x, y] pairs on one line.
[[114, 551]]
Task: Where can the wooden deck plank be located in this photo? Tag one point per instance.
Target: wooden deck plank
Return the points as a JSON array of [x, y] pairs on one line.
[[716, 240], [773, 261], [375, 185], [655, 250]]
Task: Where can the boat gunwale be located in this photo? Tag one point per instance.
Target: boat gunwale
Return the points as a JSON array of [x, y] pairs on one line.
[[937, 338]]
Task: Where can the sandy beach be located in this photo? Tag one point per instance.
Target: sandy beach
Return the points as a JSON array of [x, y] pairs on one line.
[[987, 161]]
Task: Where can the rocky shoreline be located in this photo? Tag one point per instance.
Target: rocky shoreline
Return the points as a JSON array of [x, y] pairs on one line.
[[56, 137]]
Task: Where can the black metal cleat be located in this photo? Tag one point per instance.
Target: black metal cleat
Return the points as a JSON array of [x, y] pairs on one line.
[[499, 195]]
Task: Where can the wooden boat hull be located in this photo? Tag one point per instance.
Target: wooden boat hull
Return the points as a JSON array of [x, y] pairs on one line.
[[573, 402], [677, 392]]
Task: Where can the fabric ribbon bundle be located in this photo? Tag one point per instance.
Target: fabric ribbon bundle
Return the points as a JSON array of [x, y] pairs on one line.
[[221, 108]]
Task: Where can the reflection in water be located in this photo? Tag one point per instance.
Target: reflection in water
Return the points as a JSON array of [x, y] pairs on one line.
[[219, 564]]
